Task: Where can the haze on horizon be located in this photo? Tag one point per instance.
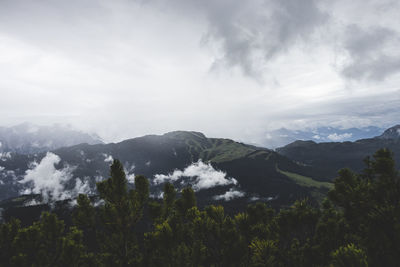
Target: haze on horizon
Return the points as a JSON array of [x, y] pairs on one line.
[[228, 68]]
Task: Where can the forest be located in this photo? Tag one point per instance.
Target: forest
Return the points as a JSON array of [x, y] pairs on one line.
[[358, 224]]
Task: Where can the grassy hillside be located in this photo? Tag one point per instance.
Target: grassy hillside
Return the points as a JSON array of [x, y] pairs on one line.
[[306, 181]]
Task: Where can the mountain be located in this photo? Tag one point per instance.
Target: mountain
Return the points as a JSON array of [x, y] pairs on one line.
[[391, 133], [283, 136], [325, 159], [220, 170], [28, 138]]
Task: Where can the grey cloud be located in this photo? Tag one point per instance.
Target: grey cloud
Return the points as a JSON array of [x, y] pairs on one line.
[[94, 63], [252, 33], [373, 53]]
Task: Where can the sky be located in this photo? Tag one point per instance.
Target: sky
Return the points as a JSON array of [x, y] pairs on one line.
[[227, 68]]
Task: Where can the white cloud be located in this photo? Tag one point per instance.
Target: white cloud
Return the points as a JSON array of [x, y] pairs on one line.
[[108, 158], [32, 202], [81, 187], [159, 195], [199, 175], [339, 137], [129, 171], [5, 156], [130, 178], [43, 178], [99, 203], [229, 195], [99, 178], [1, 175]]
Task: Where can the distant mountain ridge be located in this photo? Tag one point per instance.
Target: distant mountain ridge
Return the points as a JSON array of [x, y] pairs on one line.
[[283, 136], [27, 138], [326, 158]]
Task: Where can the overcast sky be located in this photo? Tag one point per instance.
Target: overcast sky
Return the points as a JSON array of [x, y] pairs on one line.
[[228, 68]]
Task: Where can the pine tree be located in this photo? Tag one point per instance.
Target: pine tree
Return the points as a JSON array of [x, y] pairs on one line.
[[123, 208]]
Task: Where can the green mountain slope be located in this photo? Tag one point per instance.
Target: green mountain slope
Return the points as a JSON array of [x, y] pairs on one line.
[[323, 160]]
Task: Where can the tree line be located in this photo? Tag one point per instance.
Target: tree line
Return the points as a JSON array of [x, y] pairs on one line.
[[358, 224]]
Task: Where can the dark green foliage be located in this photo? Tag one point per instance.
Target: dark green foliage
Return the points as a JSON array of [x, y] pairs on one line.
[[357, 225], [8, 233], [349, 256], [121, 211], [187, 201], [371, 206]]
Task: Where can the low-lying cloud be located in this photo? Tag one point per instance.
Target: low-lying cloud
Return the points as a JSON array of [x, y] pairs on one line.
[[339, 137], [199, 175], [129, 171], [108, 158], [229, 195], [52, 183], [5, 156]]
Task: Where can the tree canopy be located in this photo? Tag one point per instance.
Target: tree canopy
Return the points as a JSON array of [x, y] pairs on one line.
[[358, 224]]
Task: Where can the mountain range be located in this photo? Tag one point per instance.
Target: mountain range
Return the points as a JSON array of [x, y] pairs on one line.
[[325, 159], [220, 170], [284, 136], [27, 138]]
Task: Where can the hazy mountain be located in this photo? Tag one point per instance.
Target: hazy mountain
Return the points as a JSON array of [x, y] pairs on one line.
[[28, 138], [218, 169], [325, 159], [283, 136], [391, 133]]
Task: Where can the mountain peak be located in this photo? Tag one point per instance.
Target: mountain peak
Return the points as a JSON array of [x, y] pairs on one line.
[[185, 134], [301, 143], [391, 133]]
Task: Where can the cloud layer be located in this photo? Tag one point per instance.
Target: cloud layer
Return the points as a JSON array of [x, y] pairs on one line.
[[148, 67]]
